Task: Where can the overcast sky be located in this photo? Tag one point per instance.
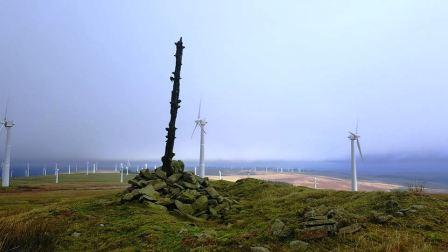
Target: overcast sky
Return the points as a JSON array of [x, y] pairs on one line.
[[278, 79]]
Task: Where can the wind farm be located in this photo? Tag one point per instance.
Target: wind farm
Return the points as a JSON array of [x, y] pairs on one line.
[[98, 153]]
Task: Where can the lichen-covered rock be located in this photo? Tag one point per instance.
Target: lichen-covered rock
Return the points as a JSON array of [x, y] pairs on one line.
[[190, 177], [160, 173], [150, 192], [349, 229], [174, 178], [158, 184], [178, 166], [279, 229], [212, 192], [201, 203], [259, 249], [130, 196], [184, 208], [182, 192]]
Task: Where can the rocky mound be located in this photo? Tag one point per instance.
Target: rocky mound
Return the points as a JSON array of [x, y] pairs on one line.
[[183, 192]]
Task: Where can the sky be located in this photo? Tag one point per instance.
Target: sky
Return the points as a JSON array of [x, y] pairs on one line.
[[281, 80]]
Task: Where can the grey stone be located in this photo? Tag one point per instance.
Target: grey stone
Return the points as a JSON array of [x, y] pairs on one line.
[[212, 202], [76, 234], [130, 196], [165, 201], [190, 177], [133, 182], [161, 174], [212, 192], [200, 203], [279, 229], [174, 178], [155, 206], [398, 214], [350, 229], [190, 185], [259, 249], [150, 192], [158, 184], [184, 208], [298, 245]]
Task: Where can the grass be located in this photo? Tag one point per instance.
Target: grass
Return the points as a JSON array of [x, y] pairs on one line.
[[36, 214]]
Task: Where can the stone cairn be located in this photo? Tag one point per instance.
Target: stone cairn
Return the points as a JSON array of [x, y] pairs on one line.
[[169, 186], [183, 192]]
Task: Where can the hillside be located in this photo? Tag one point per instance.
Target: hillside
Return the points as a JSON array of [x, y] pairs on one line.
[[83, 214]]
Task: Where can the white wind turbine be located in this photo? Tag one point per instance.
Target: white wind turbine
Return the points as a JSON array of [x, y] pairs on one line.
[[201, 123], [354, 137], [7, 161]]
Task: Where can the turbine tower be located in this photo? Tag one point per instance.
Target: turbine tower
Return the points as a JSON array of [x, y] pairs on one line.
[[7, 161], [201, 123], [354, 137]]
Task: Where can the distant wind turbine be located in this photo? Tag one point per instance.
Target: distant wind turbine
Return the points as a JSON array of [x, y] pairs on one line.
[[201, 123], [28, 169], [7, 161], [121, 172], [354, 137]]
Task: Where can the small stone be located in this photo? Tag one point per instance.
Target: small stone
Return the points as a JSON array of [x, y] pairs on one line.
[[101, 225], [174, 178], [150, 192], [213, 212], [161, 174], [178, 166], [155, 206], [130, 196], [259, 249], [133, 182], [382, 219], [147, 174], [76, 234], [298, 245], [158, 184], [212, 202], [350, 229], [184, 208], [279, 229], [190, 185], [200, 204], [190, 177], [398, 214], [212, 192], [165, 201]]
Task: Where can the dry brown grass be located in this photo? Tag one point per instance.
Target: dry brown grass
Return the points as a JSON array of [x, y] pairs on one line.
[[19, 234]]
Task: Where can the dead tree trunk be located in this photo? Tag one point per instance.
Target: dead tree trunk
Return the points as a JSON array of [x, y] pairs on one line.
[[171, 130]]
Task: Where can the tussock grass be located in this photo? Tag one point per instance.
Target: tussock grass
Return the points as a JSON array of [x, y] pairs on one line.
[[17, 234], [105, 225]]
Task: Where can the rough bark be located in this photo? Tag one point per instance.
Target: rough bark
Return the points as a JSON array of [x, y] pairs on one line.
[[175, 101]]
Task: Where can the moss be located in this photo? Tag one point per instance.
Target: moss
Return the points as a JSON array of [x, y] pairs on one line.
[[91, 209]]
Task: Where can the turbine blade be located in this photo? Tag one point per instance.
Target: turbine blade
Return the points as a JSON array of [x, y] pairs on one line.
[[359, 148], [1, 128], [194, 130], [356, 129], [6, 110], [199, 112]]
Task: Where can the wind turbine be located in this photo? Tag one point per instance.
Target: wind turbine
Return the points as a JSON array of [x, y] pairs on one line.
[[7, 161], [201, 123], [354, 137], [27, 169]]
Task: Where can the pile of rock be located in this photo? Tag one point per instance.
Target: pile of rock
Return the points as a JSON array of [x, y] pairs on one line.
[[317, 226], [183, 192]]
